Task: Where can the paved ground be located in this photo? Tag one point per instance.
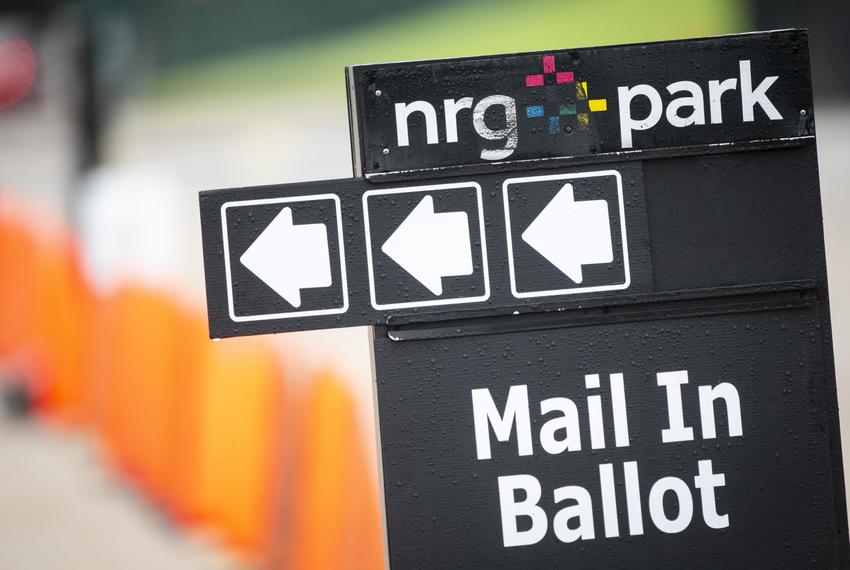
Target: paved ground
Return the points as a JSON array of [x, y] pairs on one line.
[[59, 508]]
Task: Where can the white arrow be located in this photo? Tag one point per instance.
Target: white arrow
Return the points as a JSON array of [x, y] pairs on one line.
[[431, 246], [289, 258], [570, 234]]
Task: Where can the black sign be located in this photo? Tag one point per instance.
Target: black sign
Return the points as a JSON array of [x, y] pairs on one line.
[[410, 117], [633, 439], [350, 252], [692, 425], [601, 345]]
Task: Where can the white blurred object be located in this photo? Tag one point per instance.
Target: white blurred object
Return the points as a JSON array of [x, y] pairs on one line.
[[833, 150], [132, 229]]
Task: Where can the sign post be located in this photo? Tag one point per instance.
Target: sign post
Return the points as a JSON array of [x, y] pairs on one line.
[[598, 290]]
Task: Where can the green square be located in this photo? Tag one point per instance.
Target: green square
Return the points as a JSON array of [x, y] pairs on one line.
[[568, 109]]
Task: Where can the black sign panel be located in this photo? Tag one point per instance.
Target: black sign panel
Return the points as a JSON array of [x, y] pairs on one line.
[[693, 425], [350, 252], [599, 289], [702, 441], [429, 247], [544, 212], [415, 116], [264, 239]]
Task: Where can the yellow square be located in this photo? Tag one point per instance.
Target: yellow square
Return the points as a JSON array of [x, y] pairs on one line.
[[598, 105]]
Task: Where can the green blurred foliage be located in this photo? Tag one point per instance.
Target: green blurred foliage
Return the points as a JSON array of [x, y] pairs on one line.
[[452, 30]]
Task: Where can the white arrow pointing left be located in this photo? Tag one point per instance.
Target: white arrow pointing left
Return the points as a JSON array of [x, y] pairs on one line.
[[431, 246], [289, 258], [570, 234]]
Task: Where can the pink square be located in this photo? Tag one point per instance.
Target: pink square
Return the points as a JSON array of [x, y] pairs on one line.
[[548, 64], [533, 80], [564, 77]]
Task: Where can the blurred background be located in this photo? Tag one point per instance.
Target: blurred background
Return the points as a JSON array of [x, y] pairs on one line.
[[127, 438]]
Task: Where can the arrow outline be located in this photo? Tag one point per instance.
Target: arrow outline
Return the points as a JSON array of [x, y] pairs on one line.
[[482, 245], [571, 290], [290, 314]]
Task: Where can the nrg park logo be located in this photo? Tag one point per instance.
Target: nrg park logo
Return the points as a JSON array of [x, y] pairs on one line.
[[567, 105]]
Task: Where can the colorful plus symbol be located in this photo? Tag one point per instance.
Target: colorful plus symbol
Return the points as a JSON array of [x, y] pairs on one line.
[[550, 79]]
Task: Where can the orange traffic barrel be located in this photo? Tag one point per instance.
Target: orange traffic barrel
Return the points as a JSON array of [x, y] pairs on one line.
[[240, 423], [44, 306], [138, 353], [185, 439], [331, 513], [60, 335]]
